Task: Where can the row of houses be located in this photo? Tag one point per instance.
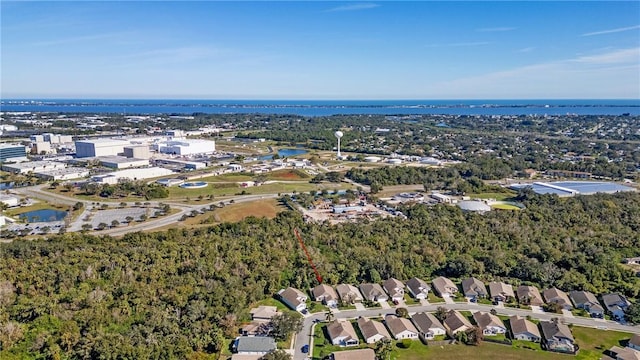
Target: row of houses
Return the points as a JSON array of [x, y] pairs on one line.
[[472, 288], [554, 335]]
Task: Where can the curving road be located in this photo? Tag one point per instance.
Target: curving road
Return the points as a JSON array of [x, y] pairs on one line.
[[305, 336]]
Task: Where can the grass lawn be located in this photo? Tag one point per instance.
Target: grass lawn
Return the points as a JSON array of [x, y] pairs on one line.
[[497, 196], [593, 342], [37, 206], [485, 351], [505, 207]]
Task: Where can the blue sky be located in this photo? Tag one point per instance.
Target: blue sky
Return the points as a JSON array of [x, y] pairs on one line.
[[320, 50]]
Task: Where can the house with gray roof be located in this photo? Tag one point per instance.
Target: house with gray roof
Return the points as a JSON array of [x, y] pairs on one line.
[[490, 324], [634, 342], [474, 289], [418, 288], [400, 328], [372, 331], [456, 322], [349, 294], [501, 291], [557, 296], [523, 329], [557, 337], [373, 292], [616, 304], [359, 354], [342, 333], [325, 294], [254, 345], [395, 289], [587, 301], [529, 295], [294, 298], [428, 325], [444, 287]]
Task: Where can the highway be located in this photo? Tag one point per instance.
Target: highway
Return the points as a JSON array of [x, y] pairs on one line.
[[305, 336]]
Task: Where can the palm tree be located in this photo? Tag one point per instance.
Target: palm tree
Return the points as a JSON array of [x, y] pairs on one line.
[[329, 316]]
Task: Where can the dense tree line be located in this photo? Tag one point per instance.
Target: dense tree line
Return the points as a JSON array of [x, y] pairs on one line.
[[175, 294]]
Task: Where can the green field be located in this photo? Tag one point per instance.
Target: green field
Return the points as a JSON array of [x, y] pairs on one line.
[[497, 196], [505, 207]]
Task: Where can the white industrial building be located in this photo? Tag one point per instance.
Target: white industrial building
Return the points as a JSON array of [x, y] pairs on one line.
[[100, 147], [63, 174], [41, 148], [121, 162], [137, 151], [131, 174], [187, 147], [9, 200], [33, 166]]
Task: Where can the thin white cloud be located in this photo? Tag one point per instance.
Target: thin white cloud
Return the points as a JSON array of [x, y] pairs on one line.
[[496, 29], [353, 7], [612, 31], [526, 50], [76, 39], [605, 75], [622, 56], [460, 44]]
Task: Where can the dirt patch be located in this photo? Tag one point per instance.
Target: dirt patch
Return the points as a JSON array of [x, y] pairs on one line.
[[261, 208]]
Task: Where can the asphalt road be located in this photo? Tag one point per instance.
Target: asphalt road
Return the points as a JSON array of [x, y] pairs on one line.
[[305, 335]]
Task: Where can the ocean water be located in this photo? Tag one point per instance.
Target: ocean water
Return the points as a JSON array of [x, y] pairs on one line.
[[328, 107]]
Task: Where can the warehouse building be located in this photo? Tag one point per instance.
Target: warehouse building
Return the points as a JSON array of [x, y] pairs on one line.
[[33, 166], [121, 162], [137, 151], [187, 147], [131, 174], [100, 147]]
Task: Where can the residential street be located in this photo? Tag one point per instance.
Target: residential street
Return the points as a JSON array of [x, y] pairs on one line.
[[303, 337]]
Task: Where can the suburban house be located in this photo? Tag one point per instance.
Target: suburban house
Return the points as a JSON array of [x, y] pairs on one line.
[[395, 289], [264, 313], [616, 304], [523, 329], [456, 322], [342, 333], [418, 288], [557, 337], [474, 289], [293, 298], [529, 295], [619, 353], [501, 291], [428, 326], [348, 294], [490, 324], [444, 286], [373, 292], [253, 345], [401, 328], [360, 354], [587, 301], [325, 294], [372, 331], [634, 342], [554, 295]]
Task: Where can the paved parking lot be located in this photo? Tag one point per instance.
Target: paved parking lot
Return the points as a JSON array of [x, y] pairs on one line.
[[120, 215]]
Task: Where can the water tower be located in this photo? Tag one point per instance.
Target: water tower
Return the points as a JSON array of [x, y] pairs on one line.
[[339, 135]]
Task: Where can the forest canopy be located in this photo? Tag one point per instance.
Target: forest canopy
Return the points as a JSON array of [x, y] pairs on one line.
[[170, 294]]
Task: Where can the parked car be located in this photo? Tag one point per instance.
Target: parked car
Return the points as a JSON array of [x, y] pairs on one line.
[[305, 349]]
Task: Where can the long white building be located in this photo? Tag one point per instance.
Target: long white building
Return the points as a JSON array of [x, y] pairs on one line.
[[187, 147], [100, 147], [131, 174]]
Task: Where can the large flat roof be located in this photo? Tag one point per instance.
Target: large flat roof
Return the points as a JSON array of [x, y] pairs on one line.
[[569, 188]]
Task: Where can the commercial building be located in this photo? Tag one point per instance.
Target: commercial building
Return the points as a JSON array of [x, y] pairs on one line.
[[63, 174], [100, 147], [41, 148], [131, 174], [187, 147], [9, 200], [121, 162], [137, 151], [33, 166], [13, 152]]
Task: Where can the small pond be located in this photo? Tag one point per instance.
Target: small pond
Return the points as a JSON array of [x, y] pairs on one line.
[[43, 215], [285, 153]]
